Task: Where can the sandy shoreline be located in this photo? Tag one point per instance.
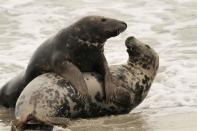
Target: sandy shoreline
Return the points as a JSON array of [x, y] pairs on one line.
[[168, 119]]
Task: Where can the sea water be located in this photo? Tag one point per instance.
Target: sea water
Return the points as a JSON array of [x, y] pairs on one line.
[[168, 26]]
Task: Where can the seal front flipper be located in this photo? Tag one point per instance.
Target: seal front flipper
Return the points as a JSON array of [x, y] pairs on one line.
[[109, 86], [123, 97], [71, 73]]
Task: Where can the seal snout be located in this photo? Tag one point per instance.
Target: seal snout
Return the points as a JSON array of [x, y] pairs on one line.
[[120, 26], [123, 26], [130, 42]]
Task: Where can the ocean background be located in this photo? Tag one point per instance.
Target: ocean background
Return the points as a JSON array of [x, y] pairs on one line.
[[168, 26]]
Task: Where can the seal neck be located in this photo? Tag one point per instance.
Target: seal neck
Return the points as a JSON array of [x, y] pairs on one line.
[[71, 35]]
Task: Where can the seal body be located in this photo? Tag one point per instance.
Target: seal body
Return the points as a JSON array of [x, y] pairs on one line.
[[50, 95], [75, 49]]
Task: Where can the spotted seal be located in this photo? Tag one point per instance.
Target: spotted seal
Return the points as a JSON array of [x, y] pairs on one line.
[[50, 99], [75, 49]]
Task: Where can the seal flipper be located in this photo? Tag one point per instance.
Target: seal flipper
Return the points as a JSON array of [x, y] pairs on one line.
[[109, 86], [123, 98], [110, 89], [18, 125], [71, 73]]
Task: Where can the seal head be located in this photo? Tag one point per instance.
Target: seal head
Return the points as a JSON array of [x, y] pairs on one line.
[[97, 29], [141, 55]]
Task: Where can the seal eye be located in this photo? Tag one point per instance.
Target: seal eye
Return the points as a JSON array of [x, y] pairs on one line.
[[103, 19], [147, 46]]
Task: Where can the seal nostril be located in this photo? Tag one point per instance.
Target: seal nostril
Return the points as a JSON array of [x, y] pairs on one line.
[[103, 19], [147, 46]]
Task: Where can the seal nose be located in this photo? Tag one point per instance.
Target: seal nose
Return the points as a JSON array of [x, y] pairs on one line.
[[124, 25], [130, 38], [129, 41]]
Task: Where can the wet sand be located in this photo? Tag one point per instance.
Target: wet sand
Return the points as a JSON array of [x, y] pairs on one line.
[[169, 119], [141, 122]]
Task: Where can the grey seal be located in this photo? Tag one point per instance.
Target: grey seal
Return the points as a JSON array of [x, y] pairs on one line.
[[74, 49], [52, 100]]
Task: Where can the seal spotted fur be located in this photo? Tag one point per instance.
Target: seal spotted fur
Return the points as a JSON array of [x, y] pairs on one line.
[[75, 49], [51, 99]]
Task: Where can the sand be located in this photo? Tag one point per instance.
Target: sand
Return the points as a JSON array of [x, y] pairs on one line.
[[172, 119]]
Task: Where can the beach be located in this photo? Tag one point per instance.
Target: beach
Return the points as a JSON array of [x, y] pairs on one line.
[[146, 120], [168, 26]]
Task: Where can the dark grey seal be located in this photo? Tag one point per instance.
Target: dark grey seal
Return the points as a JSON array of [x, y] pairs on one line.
[[75, 49], [50, 99]]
